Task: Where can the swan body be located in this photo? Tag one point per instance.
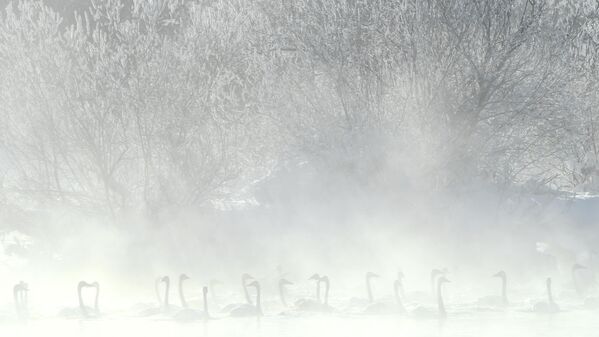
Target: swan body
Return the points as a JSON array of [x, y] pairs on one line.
[[82, 310], [496, 301], [20, 296], [549, 306], [247, 309], [186, 313], [421, 312], [232, 306], [163, 304], [307, 304]]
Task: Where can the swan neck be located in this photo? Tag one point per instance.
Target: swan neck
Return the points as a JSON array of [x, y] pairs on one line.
[[396, 286], [167, 287], [504, 289], [96, 306], [157, 290], [369, 290], [258, 304], [17, 299], [181, 295], [549, 293], [318, 290], [326, 291], [205, 303], [282, 294], [442, 312], [81, 305], [245, 292]]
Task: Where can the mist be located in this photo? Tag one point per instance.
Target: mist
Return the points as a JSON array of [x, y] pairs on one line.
[[342, 167]]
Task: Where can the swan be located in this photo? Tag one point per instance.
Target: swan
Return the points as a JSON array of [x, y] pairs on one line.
[[361, 302], [306, 304], [397, 295], [325, 307], [187, 314], [82, 310], [435, 273], [417, 296], [547, 307], [282, 283], [380, 307], [425, 312], [163, 305], [20, 295], [248, 309], [244, 285], [496, 301]]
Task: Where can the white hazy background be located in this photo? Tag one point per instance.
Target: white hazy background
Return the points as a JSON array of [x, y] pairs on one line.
[[217, 137]]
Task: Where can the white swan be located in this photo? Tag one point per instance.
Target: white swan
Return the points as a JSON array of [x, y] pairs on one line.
[[426, 312], [82, 310], [187, 314], [163, 305], [248, 309], [382, 307], [282, 283], [325, 307], [364, 302], [435, 273], [547, 307], [20, 296], [496, 301], [244, 284], [307, 304]]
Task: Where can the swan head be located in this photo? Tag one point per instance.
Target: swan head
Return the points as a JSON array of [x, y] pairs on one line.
[[284, 282], [548, 282], [246, 277], [22, 286], [165, 279], [254, 284], [324, 279], [183, 277], [204, 290], [314, 277], [442, 280], [400, 275], [95, 285], [83, 284], [370, 275], [436, 272], [500, 274]]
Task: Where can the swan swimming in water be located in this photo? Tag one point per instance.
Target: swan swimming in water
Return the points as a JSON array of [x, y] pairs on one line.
[[82, 310], [381, 307], [547, 307], [163, 305], [440, 312], [496, 301], [248, 309], [435, 273], [244, 285], [20, 296], [306, 304], [363, 302], [325, 307], [187, 314], [282, 283]]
